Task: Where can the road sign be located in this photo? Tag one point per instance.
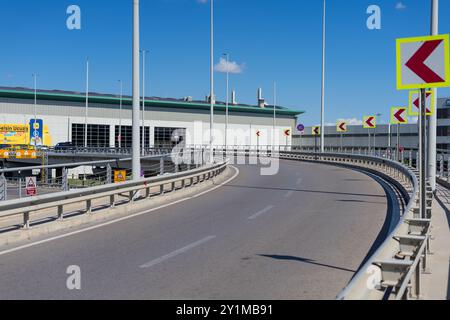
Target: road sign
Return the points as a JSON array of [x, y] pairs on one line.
[[341, 126], [31, 186], [414, 103], [258, 133], [287, 132], [4, 154], [301, 127], [399, 115], [316, 131], [370, 122], [26, 154], [120, 176], [423, 62]]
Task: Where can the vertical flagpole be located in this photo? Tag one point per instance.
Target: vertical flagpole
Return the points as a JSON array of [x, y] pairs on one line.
[[322, 125], [136, 161]]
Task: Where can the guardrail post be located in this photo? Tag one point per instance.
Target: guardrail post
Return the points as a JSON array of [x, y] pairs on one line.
[[3, 188], [417, 160], [448, 169], [88, 206], [161, 165], [60, 213], [112, 201], [108, 174], [441, 166], [65, 179], [26, 220], [20, 187]]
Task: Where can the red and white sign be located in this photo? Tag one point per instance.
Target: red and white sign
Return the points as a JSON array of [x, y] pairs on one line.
[[258, 133], [414, 103], [31, 186], [370, 122], [399, 115], [287, 132], [423, 62]]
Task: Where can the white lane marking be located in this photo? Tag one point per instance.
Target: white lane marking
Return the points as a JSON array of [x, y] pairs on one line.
[[256, 215], [176, 252], [118, 219], [288, 194]]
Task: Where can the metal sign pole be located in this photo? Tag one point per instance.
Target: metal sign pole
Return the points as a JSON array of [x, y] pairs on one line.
[[422, 152], [398, 141]]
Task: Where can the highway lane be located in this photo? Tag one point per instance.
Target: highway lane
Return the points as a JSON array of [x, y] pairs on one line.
[[300, 234]]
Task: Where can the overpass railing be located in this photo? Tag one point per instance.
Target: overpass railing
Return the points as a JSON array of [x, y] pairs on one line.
[[108, 195]]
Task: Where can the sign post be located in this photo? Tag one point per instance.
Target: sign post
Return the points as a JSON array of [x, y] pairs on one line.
[[30, 186], [369, 122], [399, 115], [423, 63], [301, 129], [341, 127], [315, 133]]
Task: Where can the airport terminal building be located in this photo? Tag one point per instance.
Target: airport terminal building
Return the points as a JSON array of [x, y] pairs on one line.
[[108, 117]]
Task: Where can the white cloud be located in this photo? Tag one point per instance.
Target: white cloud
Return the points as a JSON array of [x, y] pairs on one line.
[[400, 6], [231, 66], [352, 121]]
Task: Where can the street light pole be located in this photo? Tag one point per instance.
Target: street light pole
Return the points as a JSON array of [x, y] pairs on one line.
[[322, 125], [274, 113], [120, 114], [86, 106], [211, 124], [136, 161], [227, 101], [432, 120], [32, 130], [143, 101]]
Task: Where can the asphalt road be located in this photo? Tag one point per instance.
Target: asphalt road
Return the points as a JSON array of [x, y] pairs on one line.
[[300, 234]]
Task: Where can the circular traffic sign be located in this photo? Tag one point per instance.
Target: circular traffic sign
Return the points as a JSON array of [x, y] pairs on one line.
[[301, 127]]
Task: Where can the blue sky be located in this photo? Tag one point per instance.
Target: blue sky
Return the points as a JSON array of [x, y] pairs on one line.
[[268, 39]]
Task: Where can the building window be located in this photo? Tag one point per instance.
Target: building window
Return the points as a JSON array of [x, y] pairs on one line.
[[97, 135], [169, 136], [127, 136], [442, 113], [443, 131]]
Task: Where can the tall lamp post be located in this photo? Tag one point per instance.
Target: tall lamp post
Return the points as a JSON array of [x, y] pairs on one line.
[[143, 101], [274, 113], [227, 100], [120, 114], [32, 130], [136, 161], [432, 120], [211, 121], [322, 124], [86, 109]]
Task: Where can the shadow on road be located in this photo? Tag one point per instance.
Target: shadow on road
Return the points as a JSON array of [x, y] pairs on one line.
[[304, 260], [303, 190], [360, 201]]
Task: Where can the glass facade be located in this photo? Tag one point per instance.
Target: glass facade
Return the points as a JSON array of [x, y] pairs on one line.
[[169, 136], [97, 135], [126, 141]]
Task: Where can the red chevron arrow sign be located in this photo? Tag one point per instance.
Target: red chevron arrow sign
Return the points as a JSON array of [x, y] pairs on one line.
[[341, 126], [258, 133], [423, 62], [399, 115], [287, 132], [414, 103], [370, 122], [315, 131]]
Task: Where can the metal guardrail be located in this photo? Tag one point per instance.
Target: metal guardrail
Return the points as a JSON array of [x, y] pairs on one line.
[[393, 271], [24, 207]]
